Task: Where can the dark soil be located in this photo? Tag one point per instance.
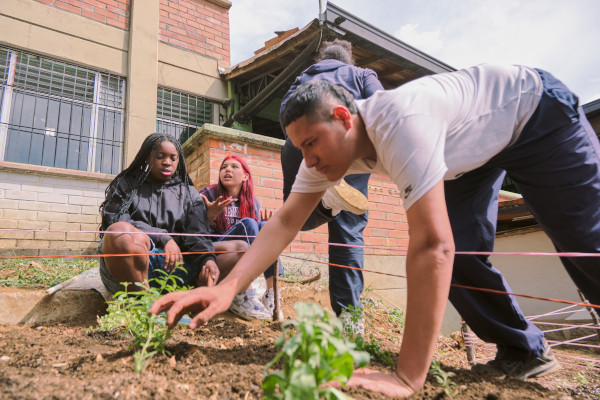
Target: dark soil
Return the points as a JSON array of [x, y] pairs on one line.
[[225, 360]]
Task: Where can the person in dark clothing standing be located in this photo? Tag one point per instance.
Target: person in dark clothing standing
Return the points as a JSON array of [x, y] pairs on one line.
[[335, 64], [144, 204]]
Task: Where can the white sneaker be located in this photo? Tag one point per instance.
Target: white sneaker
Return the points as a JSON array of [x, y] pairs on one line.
[[249, 307], [268, 301], [357, 327], [345, 197]]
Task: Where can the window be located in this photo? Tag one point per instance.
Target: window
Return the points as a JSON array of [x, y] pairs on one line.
[[181, 114], [59, 115]]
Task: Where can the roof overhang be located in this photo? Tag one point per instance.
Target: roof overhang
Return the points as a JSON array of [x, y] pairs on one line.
[[276, 67]]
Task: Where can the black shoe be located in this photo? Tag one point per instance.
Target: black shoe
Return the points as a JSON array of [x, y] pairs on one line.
[[535, 367]]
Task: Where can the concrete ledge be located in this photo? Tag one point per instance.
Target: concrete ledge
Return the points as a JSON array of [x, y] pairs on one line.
[[27, 306], [208, 131]]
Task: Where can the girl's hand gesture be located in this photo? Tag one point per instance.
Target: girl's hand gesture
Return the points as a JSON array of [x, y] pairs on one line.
[[214, 208], [265, 214], [172, 255]]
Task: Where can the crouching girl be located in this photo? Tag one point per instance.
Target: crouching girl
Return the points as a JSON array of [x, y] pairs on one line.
[[146, 206]]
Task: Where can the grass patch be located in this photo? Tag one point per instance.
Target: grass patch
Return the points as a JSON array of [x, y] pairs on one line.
[[42, 273]]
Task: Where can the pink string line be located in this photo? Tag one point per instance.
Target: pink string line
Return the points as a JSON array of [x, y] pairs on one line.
[[343, 266], [390, 248]]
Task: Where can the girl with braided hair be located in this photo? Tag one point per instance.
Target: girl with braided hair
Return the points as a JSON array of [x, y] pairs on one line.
[[144, 205], [234, 211]]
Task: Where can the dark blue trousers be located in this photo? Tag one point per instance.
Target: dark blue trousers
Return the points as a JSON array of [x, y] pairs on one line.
[[345, 285], [555, 165]]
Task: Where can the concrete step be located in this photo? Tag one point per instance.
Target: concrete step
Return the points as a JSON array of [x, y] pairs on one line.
[[77, 302]]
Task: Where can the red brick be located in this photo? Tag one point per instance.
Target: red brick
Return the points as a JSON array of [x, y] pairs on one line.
[[378, 232], [321, 248], [301, 248], [67, 7], [387, 224], [118, 10], [271, 183], [311, 237], [186, 39], [110, 3], [117, 24], [262, 171], [272, 203], [95, 3], [92, 15], [107, 14], [176, 30], [169, 21], [45, 1]]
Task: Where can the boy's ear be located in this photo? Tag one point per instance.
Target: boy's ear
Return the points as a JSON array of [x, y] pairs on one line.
[[343, 114]]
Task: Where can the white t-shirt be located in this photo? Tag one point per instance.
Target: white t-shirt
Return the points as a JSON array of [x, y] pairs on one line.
[[440, 126]]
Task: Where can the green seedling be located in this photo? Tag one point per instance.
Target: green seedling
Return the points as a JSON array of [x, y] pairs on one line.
[[313, 352], [396, 316], [129, 309], [443, 379], [580, 379], [371, 346]]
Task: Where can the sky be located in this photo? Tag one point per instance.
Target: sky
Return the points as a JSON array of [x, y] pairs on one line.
[[560, 36]]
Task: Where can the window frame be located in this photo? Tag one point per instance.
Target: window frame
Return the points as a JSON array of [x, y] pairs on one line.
[[114, 104]]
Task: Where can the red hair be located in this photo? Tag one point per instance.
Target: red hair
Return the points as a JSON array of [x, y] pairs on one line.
[[245, 197]]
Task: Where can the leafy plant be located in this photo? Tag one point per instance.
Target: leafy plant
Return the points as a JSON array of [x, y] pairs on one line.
[[313, 352], [396, 316], [130, 310], [581, 379], [443, 379], [371, 346]]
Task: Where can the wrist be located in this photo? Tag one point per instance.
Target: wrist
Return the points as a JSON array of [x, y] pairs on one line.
[[404, 381]]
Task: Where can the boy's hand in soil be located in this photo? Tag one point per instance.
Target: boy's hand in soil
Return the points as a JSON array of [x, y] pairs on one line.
[[209, 300], [389, 384], [214, 208], [172, 255]]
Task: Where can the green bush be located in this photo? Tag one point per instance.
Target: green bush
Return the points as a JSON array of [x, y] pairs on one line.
[[313, 352], [130, 310]]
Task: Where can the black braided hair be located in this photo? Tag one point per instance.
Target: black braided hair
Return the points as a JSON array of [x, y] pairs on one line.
[[140, 167]]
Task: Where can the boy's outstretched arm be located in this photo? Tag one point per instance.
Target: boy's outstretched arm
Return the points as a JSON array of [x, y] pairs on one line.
[[429, 270], [277, 233]]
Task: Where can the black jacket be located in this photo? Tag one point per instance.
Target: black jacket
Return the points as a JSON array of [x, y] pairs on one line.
[[159, 209]]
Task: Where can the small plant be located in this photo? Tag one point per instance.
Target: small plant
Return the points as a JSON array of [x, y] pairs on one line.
[[396, 316], [370, 346], [130, 310], [443, 379], [313, 352], [581, 379]]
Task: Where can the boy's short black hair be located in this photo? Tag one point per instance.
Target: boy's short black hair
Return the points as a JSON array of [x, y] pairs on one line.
[[313, 99]]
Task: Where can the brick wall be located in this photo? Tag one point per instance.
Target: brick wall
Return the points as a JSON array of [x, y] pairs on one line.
[[201, 26], [110, 12], [387, 220], [35, 201]]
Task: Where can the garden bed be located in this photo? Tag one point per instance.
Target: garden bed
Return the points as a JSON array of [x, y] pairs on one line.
[[225, 360]]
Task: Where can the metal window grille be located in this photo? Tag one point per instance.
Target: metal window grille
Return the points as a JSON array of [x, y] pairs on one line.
[[60, 115], [181, 114]]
